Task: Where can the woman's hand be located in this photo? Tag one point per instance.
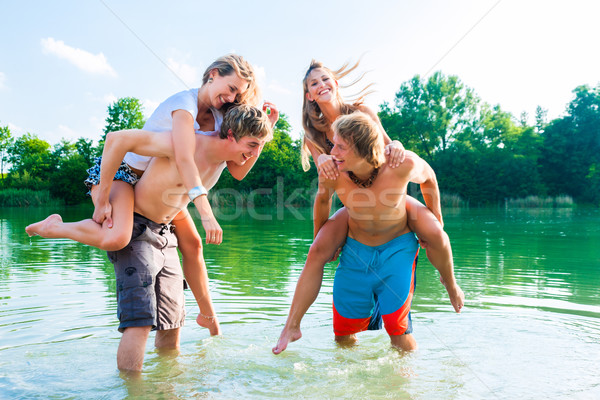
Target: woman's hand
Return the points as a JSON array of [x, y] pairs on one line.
[[327, 166], [394, 153], [272, 112], [102, 207], [103, 212], [212, 229]]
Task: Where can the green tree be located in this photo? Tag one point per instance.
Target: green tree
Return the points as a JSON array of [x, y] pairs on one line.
[[32, 163], [67, 180], [125, 113], [431, 112], [85, 147], [571, 148]]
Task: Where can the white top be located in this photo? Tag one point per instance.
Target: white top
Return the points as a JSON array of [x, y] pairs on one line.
[[161, 120]]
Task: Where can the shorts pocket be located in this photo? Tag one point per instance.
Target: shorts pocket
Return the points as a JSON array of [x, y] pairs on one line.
[[136, 297]]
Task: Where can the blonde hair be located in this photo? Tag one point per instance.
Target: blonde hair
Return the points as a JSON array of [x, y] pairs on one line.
[[314, 122], [360, 131], [232, 63], [245, 120]]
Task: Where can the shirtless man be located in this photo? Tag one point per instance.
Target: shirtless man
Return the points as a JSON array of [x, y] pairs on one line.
[[148, 272], [378, 260]]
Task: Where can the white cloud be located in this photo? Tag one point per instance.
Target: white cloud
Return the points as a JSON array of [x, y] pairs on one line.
[[84, 60], [185, 72], [2, 80]]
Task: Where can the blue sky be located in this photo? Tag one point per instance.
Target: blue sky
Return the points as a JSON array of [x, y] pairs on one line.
[[63, 62]]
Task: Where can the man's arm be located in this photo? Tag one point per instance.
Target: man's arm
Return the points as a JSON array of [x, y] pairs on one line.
[[322, 206], [420, 172], [239, 172]]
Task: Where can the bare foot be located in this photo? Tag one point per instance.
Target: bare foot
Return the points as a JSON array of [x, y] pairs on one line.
[[288, 335], [457, 296], [45, 228], [210, 323]]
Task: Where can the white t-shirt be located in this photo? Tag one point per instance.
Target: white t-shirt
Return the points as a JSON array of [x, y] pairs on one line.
[[161, 120]]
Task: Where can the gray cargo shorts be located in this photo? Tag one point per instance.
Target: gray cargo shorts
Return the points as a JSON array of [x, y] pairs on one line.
[[150, 282]]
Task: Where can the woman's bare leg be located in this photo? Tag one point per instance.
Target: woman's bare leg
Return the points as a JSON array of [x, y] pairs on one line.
[[194, 269], [325, 246], [437, 246], [89, 232]]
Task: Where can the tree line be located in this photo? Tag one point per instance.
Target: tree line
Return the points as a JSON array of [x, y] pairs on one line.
[[482, 154]]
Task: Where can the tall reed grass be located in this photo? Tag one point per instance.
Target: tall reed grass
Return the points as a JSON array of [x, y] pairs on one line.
[[562, 201], [27, 197]]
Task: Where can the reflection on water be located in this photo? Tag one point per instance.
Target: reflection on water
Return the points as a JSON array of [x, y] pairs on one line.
[[531, 327]]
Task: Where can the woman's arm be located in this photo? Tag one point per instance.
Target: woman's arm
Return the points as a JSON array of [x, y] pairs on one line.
[[394, 150], [324, 162], [184, 147]]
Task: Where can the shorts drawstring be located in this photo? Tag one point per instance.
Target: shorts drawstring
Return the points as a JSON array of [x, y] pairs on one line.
[[374, 261]]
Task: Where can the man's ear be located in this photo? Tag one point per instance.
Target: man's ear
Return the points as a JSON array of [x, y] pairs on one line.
[[230, 135]]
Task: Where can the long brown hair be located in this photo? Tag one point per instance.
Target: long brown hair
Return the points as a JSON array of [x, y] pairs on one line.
[[314, 122]]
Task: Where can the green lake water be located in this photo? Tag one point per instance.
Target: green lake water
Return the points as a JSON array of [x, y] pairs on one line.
[[530, 328]]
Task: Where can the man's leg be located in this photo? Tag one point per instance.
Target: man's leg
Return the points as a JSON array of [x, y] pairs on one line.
[[167, 339], [130, 355], [405, 342], [396, 270], [353, 300], [346, 340]]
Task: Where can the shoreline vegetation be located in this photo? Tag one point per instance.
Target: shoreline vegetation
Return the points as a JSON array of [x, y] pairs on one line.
[[38, 198], [481, 154]]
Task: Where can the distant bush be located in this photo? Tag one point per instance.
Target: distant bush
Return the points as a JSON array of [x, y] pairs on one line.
[[26, 197]]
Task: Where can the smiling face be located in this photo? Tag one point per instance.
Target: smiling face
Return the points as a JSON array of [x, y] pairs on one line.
[[344, 155], [225, 89], [320, 86], [246, 148]]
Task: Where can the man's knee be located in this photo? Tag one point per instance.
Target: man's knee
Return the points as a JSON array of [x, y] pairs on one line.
[[167, 339], [130, 355]]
